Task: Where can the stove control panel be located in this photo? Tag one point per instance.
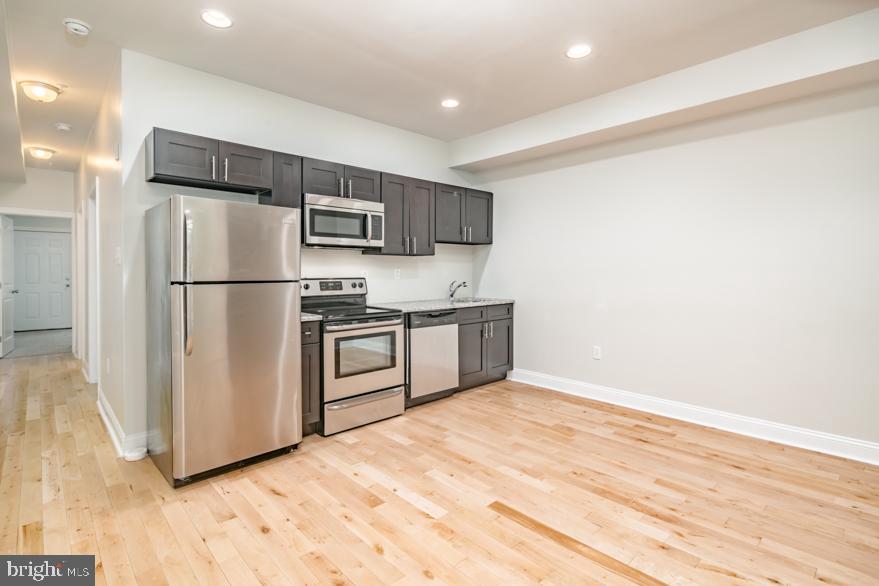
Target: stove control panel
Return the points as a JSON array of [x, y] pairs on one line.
[[329, 287]]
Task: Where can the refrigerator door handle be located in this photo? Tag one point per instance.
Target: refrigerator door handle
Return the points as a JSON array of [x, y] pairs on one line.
[[188, 319], [187, 246]]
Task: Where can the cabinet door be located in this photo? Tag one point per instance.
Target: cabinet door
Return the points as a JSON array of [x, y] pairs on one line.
[[420, 200], [322, 177], [449, 213], [287, 182], [363, 183], [184, 155], [245, 165], [499, 348], [479, 212], [310, 383], [396, 219], [471, 355]]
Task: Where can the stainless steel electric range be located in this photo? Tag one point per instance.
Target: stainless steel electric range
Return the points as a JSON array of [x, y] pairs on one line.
[[363, 354]]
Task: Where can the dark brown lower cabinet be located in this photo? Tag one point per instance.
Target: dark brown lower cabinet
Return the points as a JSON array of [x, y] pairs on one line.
[[310, 377], [485, 349]]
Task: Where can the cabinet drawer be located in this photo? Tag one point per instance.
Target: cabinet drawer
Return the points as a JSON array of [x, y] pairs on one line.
[[311, 332], [469, 315], [499, 311], [350, 413]]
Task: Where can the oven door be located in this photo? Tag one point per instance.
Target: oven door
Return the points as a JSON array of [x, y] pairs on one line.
[[339, 226], [360, 358]]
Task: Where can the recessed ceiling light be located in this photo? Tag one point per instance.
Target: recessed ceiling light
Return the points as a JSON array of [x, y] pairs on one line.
[[578, 51], [450, 103], [41, 153], [216, 18], [63, 127], [40, 91], [77, 27]]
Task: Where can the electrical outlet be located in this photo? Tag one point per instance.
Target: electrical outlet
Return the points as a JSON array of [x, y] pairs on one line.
[[596, 352], [396, 274]]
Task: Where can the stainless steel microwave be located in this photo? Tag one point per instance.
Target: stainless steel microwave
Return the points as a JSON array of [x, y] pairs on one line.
[[342, 222]]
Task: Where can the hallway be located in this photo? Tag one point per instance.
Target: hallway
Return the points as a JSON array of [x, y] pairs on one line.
[[41, 342]]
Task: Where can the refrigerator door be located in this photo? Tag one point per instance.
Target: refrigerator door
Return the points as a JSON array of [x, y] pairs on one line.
[[236, 373], [214, 240]]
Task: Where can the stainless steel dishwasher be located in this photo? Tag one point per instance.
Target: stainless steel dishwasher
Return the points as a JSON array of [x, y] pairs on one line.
[[432, 355]]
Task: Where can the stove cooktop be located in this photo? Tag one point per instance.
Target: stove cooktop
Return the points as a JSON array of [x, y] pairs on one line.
[[351, 312]]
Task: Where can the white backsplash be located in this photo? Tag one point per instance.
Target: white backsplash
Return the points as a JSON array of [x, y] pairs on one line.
[[420, 277]]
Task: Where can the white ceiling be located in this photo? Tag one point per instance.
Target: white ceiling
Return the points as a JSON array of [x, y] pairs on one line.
[[394, 60]]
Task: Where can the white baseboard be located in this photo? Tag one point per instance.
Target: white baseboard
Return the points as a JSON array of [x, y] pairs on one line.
[[85, 374], [819, 441], [130, 447]]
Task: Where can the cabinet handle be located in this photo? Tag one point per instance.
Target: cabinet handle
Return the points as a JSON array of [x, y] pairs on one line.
[[485, 332], [226, 169], [415, 245], [342, 186], [213, 168], [406, 240], [350, 189], [491, 329], [470, 229]]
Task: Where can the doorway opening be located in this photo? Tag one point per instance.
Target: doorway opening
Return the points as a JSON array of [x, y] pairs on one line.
[[36, 285]]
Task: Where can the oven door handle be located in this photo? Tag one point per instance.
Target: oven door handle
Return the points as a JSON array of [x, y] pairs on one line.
[[364, 400], [364, 326]]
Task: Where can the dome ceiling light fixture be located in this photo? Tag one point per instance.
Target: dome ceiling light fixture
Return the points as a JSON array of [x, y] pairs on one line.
[[77, 27], [216, 19], [40, 91], [42, 153], [578, 51]]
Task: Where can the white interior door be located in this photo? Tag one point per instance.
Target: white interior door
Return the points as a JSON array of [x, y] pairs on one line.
[[42, 277], [7, 286]]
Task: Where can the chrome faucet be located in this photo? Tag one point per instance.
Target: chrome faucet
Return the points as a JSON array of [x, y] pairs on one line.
[[454, 286]]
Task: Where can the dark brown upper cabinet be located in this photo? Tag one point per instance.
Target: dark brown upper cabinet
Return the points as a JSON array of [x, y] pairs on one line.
[[420, 203], [322, 177], [363, 183], [334, 179], [409, 216], [450, 214], [186, 159], [478, 219], [246, 165], [286, 183], [463, 216]]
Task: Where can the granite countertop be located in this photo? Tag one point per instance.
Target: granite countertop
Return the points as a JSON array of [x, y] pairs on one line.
[[441, 304], [310, 317]]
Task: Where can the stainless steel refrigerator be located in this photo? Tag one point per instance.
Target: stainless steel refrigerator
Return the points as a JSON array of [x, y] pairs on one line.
[[223, 329]]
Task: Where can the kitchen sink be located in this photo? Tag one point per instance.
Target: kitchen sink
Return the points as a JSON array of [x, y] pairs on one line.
[[469, 300]]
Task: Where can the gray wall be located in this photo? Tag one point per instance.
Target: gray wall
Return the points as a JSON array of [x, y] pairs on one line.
[[731, 264]]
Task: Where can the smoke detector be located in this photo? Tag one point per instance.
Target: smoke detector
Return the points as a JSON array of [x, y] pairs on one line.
[[77, 27]]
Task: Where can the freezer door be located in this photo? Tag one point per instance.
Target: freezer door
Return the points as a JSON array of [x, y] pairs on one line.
[[214, 240], [236, 375]]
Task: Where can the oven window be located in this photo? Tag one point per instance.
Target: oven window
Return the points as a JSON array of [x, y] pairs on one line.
[[338, 224], [365, 353]]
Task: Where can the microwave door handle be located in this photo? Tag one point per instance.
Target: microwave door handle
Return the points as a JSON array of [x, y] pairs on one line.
[[368, 227]]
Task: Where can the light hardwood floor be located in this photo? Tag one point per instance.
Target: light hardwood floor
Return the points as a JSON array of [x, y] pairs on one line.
[[500, 485]]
